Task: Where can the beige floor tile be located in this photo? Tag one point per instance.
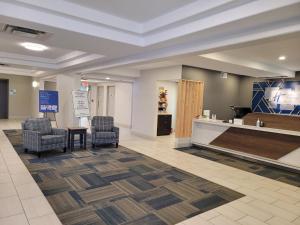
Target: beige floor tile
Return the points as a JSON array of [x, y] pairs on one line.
[[289, 207], [36, 207], [222, 220], [14, 220], [274, 210], [29, 190], [3, 168], [290, 193], [50, 219], [209, 214], [248, 220], [296, 221], [277, 195], [16, 168], [251, 211], [196, 220], [230, 212], [278, 221], [7, 190], [10, 206], [5, 178], [246, 199], [22, 178], [257, 195]]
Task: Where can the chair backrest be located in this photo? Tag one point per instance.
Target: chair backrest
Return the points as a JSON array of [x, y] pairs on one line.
[[103, 123], [42, 125]]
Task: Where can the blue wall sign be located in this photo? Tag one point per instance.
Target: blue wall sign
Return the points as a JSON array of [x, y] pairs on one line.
[[281, 97], [48, 101]]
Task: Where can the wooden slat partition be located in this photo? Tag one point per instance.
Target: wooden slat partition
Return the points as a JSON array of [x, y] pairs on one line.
[[189, 105]]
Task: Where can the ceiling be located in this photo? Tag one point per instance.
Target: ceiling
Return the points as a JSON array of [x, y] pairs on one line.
[[96, 37], [11, 44], [135, 10], [267, 53]]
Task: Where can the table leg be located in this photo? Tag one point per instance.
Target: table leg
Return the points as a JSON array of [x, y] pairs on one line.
[[69, 140], [81, 140], [72, 142], [84, 135]]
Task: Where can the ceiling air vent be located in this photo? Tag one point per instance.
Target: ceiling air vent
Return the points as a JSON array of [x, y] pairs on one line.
[[3, 64], [24, 32]]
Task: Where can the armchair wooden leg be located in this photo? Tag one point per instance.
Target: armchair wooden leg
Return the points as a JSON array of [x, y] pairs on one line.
[[25, 150], [39, 154], [93, 145], [117, 144], [65, 149]]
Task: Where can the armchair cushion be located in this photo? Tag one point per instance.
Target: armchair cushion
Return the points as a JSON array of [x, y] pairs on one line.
[[105, 135], [52, 139], [58, 131], [103, 123], [42, 125]]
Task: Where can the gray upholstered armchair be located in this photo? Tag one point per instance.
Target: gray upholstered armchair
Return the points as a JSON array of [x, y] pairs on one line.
[[104, 131], [39, 136]]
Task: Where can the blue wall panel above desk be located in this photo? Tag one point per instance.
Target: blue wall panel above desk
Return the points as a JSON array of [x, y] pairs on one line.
[[280, 97]]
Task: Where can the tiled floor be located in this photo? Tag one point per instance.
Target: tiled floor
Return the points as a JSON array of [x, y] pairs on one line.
[[267, 201], [118, 186], [252, 166]]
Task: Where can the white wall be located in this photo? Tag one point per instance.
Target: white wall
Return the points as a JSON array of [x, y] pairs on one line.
[[20, 103], [65, 84], [172, 87], [35, 98], [145, 98]]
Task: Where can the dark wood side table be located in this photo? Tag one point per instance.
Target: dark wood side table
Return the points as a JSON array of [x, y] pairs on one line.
[[164, 124], [72, 131]]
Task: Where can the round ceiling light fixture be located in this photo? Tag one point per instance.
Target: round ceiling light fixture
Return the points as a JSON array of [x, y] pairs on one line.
[[34, 46], [107, 78], [35, 84], [282, 57]]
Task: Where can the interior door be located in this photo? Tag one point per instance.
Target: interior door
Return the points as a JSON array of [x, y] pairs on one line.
[[100, 102], [110, 101], [3, 99]]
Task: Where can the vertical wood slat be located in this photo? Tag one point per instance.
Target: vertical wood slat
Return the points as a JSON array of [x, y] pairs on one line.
[[189, 105]]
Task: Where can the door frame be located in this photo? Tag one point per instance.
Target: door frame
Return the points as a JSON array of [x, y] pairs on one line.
[[7, 111]]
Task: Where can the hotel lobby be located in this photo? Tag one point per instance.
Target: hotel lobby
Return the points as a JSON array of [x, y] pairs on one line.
[[140, 112]]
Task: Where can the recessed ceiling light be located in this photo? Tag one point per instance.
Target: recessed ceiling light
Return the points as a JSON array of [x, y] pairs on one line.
[[107, 78], [35, 84], [282, 57], [34, 46]]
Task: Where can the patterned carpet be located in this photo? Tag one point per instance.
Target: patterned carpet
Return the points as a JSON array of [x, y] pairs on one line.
[[119, 186], [257, 168]]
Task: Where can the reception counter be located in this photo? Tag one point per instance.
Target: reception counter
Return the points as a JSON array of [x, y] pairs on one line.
[[265, 143]]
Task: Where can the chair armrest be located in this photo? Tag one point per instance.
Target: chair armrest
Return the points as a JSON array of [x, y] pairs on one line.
[[93, 129], [93, 133], [32, 134], [117, 131], [32, 139], [57, 131]]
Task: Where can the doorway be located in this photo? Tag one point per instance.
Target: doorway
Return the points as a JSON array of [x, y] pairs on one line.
[[110, 110], [4, 99]]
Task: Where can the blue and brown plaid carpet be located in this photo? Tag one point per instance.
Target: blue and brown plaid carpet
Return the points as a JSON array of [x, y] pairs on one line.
[[119, 186]]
